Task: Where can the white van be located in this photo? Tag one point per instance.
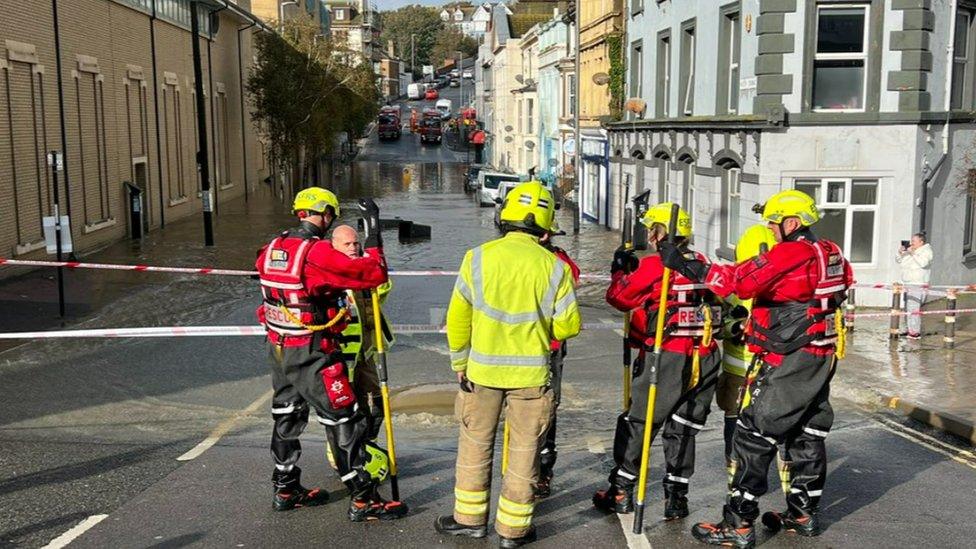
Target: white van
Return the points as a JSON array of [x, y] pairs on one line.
[[444, 107], [488, 184], [415, 91]]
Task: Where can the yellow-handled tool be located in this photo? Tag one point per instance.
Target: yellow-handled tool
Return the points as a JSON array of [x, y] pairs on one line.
[[385, 392], [662, 311]]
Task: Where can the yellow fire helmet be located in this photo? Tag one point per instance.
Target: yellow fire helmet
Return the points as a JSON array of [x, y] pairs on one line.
[[661, 213], [315, 199], [529, 205], [751, 242], [791, 203]]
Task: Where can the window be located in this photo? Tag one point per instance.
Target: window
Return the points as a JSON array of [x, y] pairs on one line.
[[663, 99], [663, 179], [848, 209], [970, 227], [839, 64], [687, 78], [340, 15], [636, 72], [571, 94], [730, 40], [688, 191], [636, 6], [962, 68], [529, 118], [732, 204]]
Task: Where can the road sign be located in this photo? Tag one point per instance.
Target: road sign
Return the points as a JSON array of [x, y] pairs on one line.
[[50, 237], [56, 160]]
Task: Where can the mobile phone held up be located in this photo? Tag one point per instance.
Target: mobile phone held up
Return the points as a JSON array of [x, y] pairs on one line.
[[906, 243]]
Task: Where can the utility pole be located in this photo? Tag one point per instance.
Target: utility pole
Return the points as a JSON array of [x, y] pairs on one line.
[[203, 162], [577, 165], [413, 51]]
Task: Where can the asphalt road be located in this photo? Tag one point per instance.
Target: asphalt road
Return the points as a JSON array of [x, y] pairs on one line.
[[91, 432]]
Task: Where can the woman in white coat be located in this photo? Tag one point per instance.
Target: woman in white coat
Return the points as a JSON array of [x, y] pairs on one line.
[[916, 269]]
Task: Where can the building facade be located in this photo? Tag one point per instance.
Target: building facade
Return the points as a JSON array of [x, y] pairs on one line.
[[471, 19], [553, 49], [861, 104], [600, 22], [356, 24], [275, 11], [127, 90]]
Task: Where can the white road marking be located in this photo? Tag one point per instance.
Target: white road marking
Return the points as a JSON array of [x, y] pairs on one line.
[[224, 427], [64, 539], [634, 541], [962, 456]]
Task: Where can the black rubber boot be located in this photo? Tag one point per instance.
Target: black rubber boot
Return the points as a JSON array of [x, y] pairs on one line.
[[371, 506], [447, 525], [804, 525], [286, 499], [733, 531], [675, 503], [615, 499], [509, 543]]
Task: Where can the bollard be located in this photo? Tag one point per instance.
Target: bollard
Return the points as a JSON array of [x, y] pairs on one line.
[[893, 329], [851, 308], [949, 339]]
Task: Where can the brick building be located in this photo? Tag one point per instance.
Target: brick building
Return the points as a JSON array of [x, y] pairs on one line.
[[129, 115]]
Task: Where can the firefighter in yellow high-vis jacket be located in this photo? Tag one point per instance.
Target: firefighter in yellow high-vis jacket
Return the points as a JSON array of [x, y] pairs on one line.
[[511, 299]]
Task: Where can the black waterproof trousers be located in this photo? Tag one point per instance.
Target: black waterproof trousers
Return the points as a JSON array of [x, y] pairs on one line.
[[787, 405], [299, 385], [547, 454], [680, 407]]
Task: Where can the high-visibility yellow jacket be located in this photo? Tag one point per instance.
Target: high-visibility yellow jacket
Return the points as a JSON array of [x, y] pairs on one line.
[[360, 333], [511, 298]]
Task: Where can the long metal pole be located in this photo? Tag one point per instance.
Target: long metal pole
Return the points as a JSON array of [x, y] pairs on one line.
[[577, 165], [203, 162], [57, 230], [240, 74], [413, 51], [155, 87], [64, 130]]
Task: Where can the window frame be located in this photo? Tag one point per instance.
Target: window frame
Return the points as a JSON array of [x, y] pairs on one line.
[[636, 71], [864, 56], [729, 69], [686, 70], [849, 210], [732, 180], [968, 99], [662, 103]]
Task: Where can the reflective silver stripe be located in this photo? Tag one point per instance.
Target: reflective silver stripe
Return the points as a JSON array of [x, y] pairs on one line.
[[770, 440], [748, 496], [282, 285], [462, 287], [325, 421], [684, 421], [831, 290], [815, 432], [814, 493], [563, 304], [687, 287], [673, 478], [284, 468], [624, 474], [544, 451], [509, 360], [349, 476], [287, 331], [285, 409], [824, 342], [478, 301], [461, 354]]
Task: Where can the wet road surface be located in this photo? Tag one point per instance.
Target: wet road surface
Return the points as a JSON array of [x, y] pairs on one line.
[[95, 427]]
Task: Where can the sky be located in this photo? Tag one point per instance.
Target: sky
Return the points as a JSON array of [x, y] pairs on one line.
[[384, 5]]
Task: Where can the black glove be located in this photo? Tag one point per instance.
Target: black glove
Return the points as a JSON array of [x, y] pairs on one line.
[[371, 221], [624, 260], [682, 261]]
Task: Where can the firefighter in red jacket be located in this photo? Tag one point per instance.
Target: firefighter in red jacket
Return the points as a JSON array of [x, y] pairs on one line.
[[303, 283], [797, 334], [689, 367], [548, 453]]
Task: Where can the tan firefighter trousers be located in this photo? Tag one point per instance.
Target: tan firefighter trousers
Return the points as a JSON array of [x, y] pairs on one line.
[[528, 412]]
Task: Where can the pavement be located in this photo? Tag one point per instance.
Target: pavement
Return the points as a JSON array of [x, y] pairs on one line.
[[163, 442]]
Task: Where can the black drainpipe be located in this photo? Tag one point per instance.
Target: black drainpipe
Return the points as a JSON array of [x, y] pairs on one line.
[[159, 150], [240, 76]]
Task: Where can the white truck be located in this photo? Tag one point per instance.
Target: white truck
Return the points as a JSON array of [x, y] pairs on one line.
[[444, 107], [415, 91]]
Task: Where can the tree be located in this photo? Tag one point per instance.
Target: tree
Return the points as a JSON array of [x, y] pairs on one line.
[[304, 90], [421, 21], [448, 42]]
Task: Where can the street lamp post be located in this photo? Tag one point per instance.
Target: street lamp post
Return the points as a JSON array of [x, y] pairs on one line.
[[203, 161], [413, 50], [460, 57]]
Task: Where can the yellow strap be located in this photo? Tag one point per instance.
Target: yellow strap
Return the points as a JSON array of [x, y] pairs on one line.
[[314, 327], [840, 349]]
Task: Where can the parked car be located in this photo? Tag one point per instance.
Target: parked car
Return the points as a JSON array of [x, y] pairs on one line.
[[488, 183], [415, 91], [467, 74], [471, 177], [430, 126], [455, 82], [431, 94]]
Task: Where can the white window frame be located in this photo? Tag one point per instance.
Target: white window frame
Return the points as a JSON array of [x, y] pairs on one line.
[[340, 15], [734, 192], [529, 115], [690, 82], [733, 21], [863, 56], [849, 210], [964, 58]]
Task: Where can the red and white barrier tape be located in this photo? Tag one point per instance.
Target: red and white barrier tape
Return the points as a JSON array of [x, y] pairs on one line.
[[205, 270], [904, 313]]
